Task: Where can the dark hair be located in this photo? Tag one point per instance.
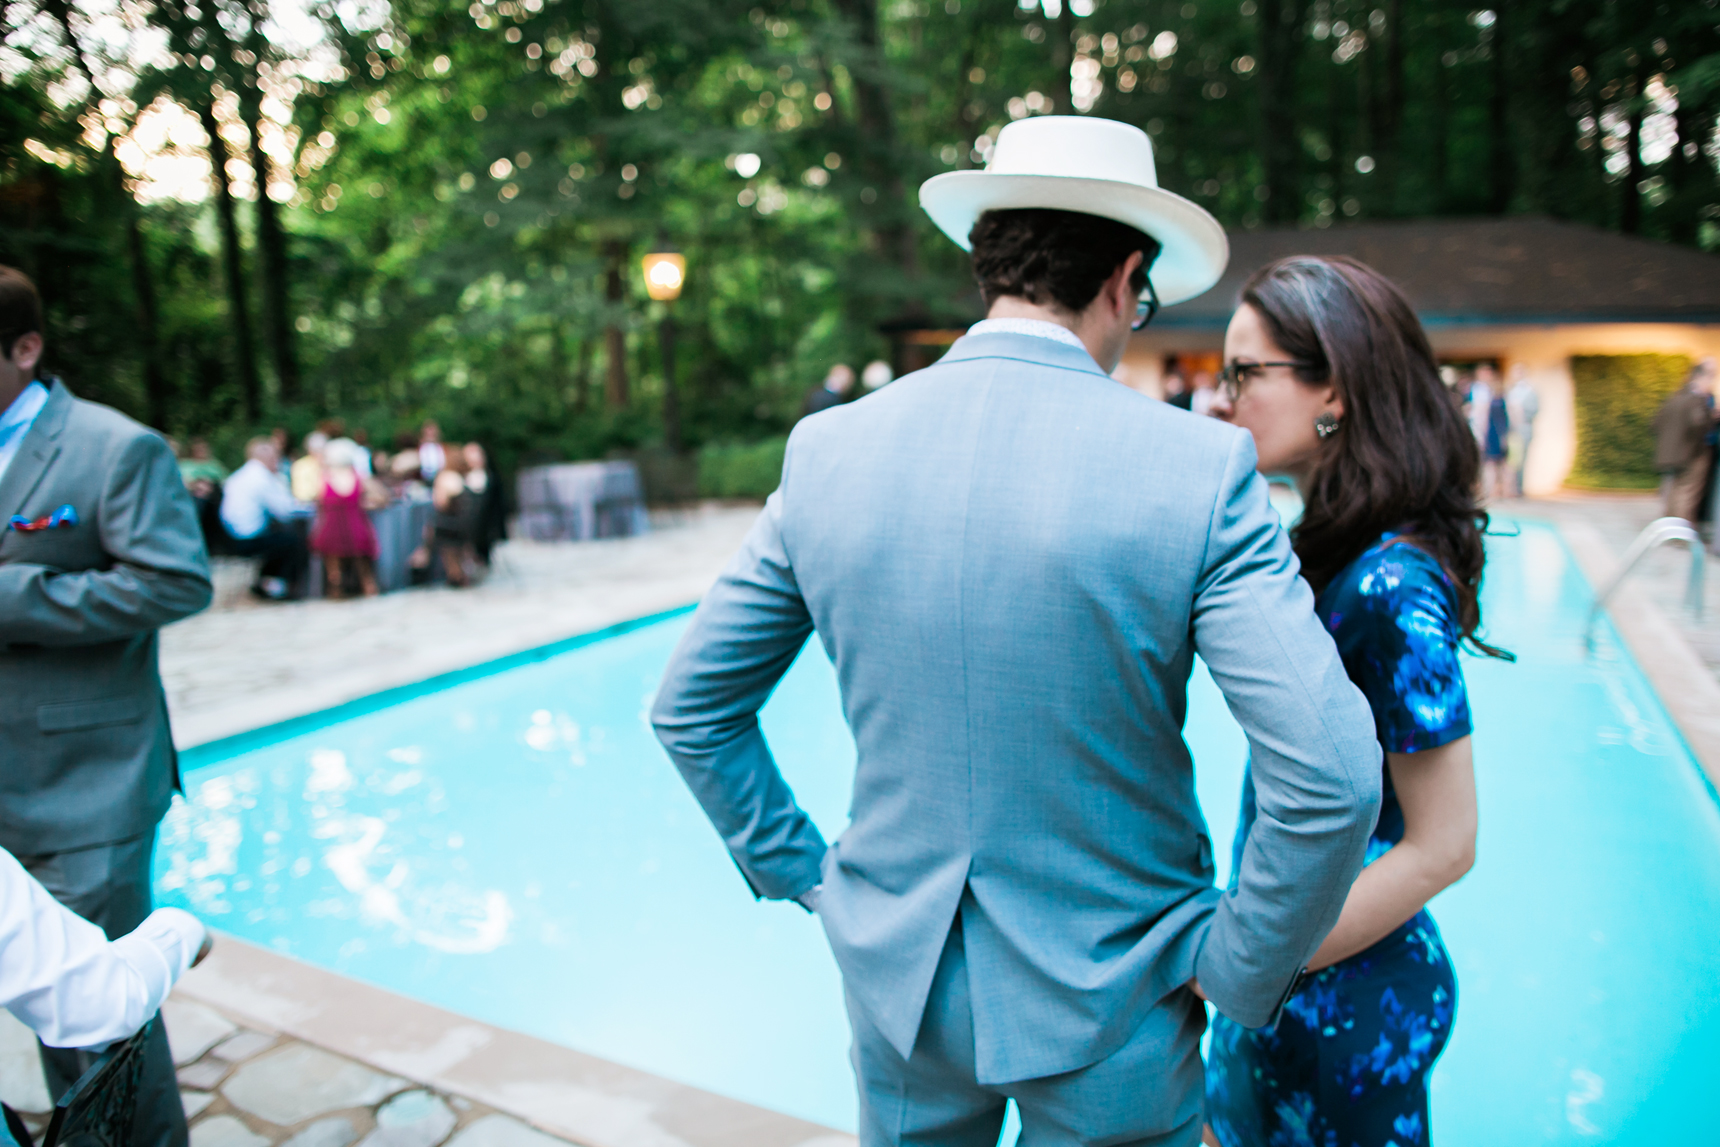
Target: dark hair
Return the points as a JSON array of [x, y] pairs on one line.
[[1060, 257], [20, 309], [1403, 458]]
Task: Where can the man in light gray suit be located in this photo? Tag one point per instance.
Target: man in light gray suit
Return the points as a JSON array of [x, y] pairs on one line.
[[99, 548], [1012, 561]]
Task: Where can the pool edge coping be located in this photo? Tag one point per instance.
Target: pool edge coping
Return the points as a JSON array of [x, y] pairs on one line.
[[569, 1094], [1682, 682]]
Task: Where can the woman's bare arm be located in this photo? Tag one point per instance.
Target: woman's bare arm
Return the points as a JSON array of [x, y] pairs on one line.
[[1436, 790]]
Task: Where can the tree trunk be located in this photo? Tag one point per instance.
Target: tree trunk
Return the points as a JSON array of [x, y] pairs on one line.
[[1391, 105], [1504, 161], [1440, 147], [582, 379], [1686, 178], [271, 246], [877, 135], [1062, 35], [1279, 21], [615, 339], [1630, 208], [238, 306], [155, 384]]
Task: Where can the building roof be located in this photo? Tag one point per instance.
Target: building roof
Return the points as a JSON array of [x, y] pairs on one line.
[[1524, 269]]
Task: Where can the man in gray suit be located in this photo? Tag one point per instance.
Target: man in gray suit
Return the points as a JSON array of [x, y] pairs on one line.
[[1012, 561], [99, 548]]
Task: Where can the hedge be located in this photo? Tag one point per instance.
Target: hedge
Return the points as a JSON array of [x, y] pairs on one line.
[[750, 470], [1617, 396]]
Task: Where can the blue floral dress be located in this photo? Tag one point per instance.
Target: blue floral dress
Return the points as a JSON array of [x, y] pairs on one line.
[[1347, 1064]]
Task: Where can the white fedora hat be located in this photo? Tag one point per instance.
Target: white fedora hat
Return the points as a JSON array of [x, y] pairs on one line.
[[1094, 166]]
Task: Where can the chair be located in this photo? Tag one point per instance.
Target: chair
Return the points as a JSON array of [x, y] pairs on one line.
[[97, 1110]]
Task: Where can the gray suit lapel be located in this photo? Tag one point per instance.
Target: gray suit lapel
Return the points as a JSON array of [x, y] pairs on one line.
[[38, 450]]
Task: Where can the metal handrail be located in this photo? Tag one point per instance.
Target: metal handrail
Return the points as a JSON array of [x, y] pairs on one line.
[[1658, 533]]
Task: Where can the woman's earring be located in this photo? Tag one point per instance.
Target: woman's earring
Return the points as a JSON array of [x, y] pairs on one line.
[[1327, 424]]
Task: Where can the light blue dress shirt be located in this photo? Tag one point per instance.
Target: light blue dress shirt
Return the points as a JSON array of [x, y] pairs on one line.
[[15, 423]]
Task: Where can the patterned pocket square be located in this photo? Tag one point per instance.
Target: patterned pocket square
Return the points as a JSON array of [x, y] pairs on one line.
[[63, 517]]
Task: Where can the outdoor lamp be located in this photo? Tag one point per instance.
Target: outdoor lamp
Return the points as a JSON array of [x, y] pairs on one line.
[[665, 275], [665, 272]]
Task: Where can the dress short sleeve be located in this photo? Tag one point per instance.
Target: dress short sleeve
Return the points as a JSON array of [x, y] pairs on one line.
[[1393, 615]]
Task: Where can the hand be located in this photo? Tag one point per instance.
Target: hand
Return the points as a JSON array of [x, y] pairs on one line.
[[1194, 986]]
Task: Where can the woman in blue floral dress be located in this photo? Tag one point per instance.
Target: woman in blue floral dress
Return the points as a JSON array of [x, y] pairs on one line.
[[1329, 369]]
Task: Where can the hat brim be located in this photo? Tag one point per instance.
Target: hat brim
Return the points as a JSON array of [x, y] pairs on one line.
[[1193, 250]]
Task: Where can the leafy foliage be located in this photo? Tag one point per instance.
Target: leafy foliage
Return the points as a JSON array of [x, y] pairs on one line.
[[1617, 397], [466, 192], [728, 470]]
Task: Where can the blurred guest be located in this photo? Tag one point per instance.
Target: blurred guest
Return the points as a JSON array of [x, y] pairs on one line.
[[307, 477], [449, 539], [361, 458], [101, 549], [343, 535], [1524, 404], [432, 457], [201, 465], [1483, 382], [283, 449], [1204, 394], [404, 474], [258, 512], [833, 392], [486, 503], [203, 476], [1681, 428], [1176, 390], [1495, 447], [877, 375]]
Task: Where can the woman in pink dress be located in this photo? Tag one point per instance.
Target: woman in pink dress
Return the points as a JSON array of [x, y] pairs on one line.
[[343, 535]]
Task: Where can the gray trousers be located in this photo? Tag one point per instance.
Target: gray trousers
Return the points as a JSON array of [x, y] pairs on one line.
[[108, 885], [1151, 1091]]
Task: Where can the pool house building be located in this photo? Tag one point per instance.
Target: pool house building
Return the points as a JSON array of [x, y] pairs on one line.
[[1525, 290]]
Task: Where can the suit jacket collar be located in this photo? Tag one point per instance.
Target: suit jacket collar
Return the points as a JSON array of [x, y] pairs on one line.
[[40, 446], [1022, 348]]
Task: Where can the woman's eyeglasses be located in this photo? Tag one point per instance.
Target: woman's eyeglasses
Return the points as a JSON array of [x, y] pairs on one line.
[[1236, 375], [1145, 307]]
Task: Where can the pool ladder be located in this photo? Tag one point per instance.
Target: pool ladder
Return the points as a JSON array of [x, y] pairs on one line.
[[1659, 532]]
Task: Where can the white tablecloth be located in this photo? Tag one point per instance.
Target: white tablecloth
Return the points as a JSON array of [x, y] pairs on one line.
[[578, 501]]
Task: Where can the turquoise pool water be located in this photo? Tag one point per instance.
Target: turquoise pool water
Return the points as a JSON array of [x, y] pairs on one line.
[[513, 845]]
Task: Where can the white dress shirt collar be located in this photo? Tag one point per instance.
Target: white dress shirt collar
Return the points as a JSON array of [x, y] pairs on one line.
[[1037, 328], [16, 420]]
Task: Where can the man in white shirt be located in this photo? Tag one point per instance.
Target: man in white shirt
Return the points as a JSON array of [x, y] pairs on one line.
[[257, 509], [75, 988]]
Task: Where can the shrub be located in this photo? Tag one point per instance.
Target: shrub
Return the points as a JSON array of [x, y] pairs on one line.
[[750, 470], [1617, 396]]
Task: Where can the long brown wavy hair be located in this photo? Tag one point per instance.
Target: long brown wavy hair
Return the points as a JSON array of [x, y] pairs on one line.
[[1404, 458]]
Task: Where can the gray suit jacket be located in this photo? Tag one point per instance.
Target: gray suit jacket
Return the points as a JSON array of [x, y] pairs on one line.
[[1012, 561], [86, 756]]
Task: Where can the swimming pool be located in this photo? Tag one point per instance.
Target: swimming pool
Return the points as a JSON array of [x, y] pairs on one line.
[[511, 844]]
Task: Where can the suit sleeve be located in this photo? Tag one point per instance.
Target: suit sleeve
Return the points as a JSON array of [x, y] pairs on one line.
[[1314, 756], [743, 637], [159, 571]]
